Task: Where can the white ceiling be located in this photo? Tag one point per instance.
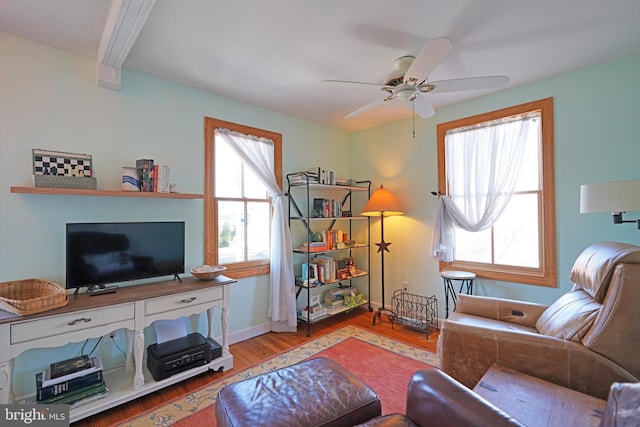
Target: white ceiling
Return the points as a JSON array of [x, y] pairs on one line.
[[274, 53]]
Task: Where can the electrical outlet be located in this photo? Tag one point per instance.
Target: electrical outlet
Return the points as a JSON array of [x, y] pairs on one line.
[[405, 284]]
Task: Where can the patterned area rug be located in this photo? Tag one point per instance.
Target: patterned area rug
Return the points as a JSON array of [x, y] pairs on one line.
[[385, 364]]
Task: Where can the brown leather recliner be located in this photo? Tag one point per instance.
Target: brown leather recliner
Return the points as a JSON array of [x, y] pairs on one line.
[[587, 340], [434, 399]]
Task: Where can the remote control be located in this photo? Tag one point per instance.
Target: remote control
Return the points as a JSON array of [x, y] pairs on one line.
[[102, 291]]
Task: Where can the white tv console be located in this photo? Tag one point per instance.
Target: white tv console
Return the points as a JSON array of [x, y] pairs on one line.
[[131, 308]]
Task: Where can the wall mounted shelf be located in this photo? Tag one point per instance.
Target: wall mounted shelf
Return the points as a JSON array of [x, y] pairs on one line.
[[103, 193]]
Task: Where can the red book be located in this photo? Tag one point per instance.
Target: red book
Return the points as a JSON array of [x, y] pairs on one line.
[[154, 178]]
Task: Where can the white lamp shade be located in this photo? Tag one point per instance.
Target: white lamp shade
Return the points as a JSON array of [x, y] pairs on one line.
[[620, 196]]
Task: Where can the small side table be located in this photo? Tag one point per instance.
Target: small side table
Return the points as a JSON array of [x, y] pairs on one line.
[[466, 279]]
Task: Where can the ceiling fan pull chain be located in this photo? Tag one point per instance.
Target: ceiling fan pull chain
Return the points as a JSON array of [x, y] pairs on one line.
[[413, 118]]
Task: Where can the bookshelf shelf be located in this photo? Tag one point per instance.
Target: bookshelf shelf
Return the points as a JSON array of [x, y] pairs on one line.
[[356, 246], [332, 312], [102, 193], [314, 206]]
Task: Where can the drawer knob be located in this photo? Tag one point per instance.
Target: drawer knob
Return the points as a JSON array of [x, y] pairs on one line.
[[82, 319], [188, 300]]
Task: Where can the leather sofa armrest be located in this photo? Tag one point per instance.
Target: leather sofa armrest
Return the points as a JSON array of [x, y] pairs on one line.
[[506, 310], [435, 399]]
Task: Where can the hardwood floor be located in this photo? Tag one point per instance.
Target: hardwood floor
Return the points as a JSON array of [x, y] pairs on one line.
[[248, 353]]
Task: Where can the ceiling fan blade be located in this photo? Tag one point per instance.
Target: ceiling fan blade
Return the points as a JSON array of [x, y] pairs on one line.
[[429, 57], [343, 83], [470, 83], [365, 108], [422, 107]]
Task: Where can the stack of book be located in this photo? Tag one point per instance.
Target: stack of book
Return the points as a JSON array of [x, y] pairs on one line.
[[303, 178], [326, 208], [315, 310], [313, 247], [337, 294], [326, 268], [331, 300], [153, 177], [74, 381]]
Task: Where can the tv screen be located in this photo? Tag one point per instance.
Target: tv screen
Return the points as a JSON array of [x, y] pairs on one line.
[[101, 253]]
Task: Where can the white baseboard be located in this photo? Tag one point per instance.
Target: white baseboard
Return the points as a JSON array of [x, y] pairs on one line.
[[251, 332]]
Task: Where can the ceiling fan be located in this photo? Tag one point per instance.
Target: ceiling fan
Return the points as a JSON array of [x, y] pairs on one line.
[[409, 81]]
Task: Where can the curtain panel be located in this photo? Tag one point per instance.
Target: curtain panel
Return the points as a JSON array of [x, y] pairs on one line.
[[258, 154], [482, 169]]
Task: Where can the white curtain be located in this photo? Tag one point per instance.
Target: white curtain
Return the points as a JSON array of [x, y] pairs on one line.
[[258, 154], [482, 164]]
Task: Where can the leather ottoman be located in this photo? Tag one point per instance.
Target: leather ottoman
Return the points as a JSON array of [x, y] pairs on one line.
[[316, 392]]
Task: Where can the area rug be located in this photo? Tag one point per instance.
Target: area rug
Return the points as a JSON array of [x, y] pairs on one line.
[[386, 365]]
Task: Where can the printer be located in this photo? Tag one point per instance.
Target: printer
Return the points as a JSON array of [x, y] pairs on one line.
[[180, 354]]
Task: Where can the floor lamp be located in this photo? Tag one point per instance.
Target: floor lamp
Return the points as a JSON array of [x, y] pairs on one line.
[[382, 203]]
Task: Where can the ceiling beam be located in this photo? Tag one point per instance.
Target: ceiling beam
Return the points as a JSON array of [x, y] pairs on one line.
[[124, 23]]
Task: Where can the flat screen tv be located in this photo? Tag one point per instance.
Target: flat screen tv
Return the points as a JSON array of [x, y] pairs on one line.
[[99, 254]]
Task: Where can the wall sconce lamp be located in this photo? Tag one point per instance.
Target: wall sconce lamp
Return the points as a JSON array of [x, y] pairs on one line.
[[615, 197], [382, 203]]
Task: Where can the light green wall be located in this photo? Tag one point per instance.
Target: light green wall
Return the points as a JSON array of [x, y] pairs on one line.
[[596, 140], [49, 99]]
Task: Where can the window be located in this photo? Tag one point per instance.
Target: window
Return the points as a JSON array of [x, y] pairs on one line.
[[520, 246], [237, 204]]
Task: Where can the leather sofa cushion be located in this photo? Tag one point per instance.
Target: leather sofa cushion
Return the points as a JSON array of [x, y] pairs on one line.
[[594, 266], [570, 317]]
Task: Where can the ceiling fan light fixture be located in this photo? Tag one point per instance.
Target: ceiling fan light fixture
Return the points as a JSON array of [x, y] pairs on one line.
[[406, 92], [400, 65]]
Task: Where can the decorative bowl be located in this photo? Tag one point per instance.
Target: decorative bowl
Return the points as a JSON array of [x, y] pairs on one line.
[[208, 272]]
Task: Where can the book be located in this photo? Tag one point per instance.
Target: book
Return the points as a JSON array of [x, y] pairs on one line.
[[156, 170], [89, 399], [309, 274], [145, 174], [332, 301], [303, 178], [81, 393], [165, 180], [96, 365], [318, 208], [326, 267], [69, 366], [313, 247], [73, 384]]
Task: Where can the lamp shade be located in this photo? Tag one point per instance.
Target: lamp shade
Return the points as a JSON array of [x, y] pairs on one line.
[[620, 196], [382, 203]]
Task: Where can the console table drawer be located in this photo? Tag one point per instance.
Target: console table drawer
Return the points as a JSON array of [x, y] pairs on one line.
[[72, 322], [173, 302]]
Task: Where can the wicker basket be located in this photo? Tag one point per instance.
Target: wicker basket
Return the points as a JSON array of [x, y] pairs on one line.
[[29, 296]]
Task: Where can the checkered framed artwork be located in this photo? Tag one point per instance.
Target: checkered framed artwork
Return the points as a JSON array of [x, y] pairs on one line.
[[58, 163]]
